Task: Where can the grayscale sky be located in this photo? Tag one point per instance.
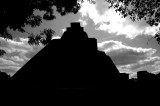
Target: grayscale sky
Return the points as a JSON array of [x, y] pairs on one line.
[[123, 40]]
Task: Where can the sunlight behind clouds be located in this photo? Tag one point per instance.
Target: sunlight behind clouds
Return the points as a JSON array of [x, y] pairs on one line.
[[110, 21]]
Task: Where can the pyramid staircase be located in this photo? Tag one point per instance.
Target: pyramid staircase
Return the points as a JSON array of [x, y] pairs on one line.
[[70, 62]]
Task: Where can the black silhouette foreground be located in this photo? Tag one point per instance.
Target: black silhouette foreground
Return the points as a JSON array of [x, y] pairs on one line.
[[73, 64]]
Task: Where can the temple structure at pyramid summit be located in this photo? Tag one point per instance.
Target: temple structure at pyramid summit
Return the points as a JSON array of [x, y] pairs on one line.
[[72, 62]]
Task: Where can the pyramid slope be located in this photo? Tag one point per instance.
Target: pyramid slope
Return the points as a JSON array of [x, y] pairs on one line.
[[70, 62]]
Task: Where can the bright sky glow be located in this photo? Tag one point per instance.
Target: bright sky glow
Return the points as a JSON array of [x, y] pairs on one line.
[[120, 38], [112, 22]]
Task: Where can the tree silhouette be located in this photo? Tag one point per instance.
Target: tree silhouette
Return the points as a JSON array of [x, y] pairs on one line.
[[16, 14], [44, 37], [139, 9], [81, 69], [2, 52]]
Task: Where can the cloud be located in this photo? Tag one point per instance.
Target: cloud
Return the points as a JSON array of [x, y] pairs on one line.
[[9, 66], [84, 22], [17, 58], [151, 65], [7, 62], [22, 48], [11, 70], [130, 59], [122, 54], [150, 60], [110, 21], [57, 37], [18, 53]]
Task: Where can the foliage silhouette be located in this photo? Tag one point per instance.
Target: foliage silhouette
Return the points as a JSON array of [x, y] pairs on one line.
[[97, 70], [16, 14], [139, 9], [2, 52], [73, 64]]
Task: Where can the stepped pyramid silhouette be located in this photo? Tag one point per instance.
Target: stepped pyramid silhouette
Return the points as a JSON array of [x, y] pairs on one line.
[[73, 61]]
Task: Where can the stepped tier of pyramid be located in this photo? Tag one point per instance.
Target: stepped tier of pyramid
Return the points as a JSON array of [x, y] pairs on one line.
[[72, 62]]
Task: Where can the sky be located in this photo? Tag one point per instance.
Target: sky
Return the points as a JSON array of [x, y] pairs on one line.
[[120, 38]]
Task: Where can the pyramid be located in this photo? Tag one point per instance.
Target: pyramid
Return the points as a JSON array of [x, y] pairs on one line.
[[72, 62]]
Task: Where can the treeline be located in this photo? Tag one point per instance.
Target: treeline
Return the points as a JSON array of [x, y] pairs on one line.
[[144, 79]]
